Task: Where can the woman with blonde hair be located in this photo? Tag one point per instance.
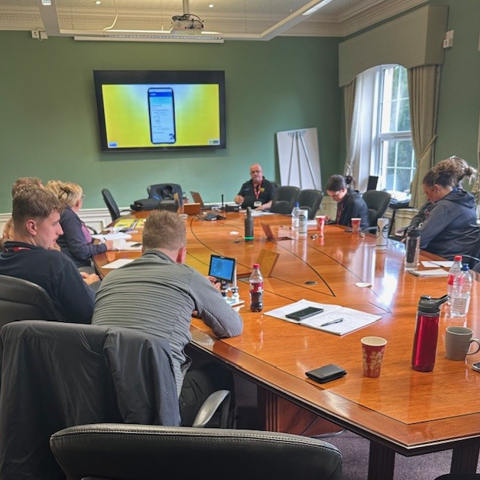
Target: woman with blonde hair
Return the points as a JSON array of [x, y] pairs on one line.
[[76, 241], [450, 226]]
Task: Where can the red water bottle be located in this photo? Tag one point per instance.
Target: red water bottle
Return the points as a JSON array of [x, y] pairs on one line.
[[256, 289], [426, 333]]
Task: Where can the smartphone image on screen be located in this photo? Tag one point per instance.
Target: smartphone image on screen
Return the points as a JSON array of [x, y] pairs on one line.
[[161, 110], [304, 313]]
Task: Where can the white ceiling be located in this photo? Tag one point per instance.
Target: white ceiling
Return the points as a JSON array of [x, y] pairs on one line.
[[235, 19]]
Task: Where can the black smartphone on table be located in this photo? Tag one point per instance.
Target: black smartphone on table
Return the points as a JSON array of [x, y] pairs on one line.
[[304, 313]]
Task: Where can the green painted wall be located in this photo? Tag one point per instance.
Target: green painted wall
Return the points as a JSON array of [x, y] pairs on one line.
[[459, 105], [48, 120]]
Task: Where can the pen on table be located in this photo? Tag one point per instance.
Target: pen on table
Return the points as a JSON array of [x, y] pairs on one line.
[[338, 320]]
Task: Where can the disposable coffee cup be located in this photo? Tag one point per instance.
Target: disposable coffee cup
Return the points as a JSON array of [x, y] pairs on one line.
[[458, 341], [373, 350], [257, 204], [356, 225], [302, 222], [320, 224]]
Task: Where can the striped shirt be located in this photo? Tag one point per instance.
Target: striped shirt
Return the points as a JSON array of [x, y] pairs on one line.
[[156, 295]]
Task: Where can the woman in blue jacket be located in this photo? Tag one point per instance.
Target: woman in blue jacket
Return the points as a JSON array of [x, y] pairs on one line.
[[450, 228]]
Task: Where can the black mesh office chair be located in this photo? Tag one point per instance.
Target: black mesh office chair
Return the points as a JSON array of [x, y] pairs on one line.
[[284, 199], [165, 191], [377, 202], [111, 204], [138, 452], [22, 300], [310, 199]]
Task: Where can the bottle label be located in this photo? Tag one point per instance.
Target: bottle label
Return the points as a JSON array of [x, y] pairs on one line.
[[256, 287]]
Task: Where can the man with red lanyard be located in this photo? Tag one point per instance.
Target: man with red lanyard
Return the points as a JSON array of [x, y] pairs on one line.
[[257, 192], [31, 255]]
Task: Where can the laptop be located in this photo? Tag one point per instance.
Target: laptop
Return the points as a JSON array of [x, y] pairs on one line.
[[197, 198], [267, 229]]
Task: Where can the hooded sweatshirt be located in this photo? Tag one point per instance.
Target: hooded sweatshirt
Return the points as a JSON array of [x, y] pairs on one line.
[[448, 229]]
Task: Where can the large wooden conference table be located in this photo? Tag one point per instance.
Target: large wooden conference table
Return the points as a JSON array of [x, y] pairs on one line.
[[403, 411]]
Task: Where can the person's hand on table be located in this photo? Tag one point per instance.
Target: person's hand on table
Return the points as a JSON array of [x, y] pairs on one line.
[[214, 282], [90, 278]]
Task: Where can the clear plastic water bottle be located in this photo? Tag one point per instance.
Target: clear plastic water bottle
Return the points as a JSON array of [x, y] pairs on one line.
[[295, 216], [455, 270], [256, 289], [462, 287]]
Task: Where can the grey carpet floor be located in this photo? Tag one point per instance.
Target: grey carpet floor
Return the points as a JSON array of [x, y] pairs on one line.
[[355, 460]]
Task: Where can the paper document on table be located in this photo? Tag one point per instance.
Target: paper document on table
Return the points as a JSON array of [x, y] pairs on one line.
[[112, 236], [260, 213], [119, 263], [122, 244], [334, 318], [437, 263], [435, 272]]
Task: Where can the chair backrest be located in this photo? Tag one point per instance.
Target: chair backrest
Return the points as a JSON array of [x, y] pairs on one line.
[[310, 199], [75, 374], [284, 199], [377, 202], [165, 191], [141, 452], [23, 300], [111, 204]]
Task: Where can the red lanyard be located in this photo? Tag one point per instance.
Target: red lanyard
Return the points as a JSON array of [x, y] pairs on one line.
[[257, 189]]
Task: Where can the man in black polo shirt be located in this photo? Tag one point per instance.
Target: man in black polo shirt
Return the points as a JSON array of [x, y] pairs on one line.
[[30, 255], [257, 192]]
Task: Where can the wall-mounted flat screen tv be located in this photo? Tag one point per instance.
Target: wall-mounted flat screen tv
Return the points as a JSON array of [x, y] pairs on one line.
[[160, 110]]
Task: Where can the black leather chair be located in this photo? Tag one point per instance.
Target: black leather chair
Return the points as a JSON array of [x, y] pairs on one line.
[[284, 199], [377, 202], [165, 191], [138, 452], [459, 476], [111, 204], [310, 199], [22, 300], [62, 374]]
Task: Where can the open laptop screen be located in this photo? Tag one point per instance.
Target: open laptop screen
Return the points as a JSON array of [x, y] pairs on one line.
[[222, 268]]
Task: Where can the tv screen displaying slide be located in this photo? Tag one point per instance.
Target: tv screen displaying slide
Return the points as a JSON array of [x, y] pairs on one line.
[[160, 110]]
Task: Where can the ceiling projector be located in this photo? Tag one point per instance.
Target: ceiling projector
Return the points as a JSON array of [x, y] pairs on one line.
[[187, 23]]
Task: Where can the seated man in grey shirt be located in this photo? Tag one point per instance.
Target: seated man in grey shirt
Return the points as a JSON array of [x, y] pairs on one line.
[[157, 294]]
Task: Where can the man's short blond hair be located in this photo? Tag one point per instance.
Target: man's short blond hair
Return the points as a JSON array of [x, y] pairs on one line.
[[19, 182], [31, 201], [164, 230]]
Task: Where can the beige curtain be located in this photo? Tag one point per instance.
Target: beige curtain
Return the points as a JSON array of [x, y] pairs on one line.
[[423, 88], [351, 126]]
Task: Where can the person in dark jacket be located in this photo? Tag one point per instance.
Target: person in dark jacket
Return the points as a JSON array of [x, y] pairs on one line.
[[31, 255], [75, 241], [450, 227], [349, 203]]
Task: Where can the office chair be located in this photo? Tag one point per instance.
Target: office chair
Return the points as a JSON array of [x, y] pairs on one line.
[[165, 191], [111, 204], [310, 200], [377, 202], [139, 452], [22, 300], [73, 374], [284, 199], [459, 476]]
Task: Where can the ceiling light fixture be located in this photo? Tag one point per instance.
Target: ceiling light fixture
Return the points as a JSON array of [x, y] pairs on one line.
[[317, 7], [46, 3]]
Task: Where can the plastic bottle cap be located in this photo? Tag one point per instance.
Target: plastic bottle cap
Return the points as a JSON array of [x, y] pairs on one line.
[[457, 258], [256, 265], [465, 267]]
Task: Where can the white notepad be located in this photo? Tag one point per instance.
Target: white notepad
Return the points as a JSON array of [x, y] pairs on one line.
[[351, 319]]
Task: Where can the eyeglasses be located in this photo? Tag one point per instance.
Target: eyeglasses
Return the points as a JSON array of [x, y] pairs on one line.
[[255, 171], [83, 196]]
